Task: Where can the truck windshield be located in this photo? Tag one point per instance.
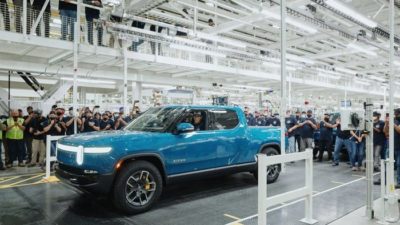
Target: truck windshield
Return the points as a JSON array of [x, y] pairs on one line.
[[155, 119]]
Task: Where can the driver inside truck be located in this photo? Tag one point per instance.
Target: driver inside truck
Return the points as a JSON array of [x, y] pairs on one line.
[[198, 121]]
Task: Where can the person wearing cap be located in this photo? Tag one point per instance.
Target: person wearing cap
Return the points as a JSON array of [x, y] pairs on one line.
[[396, 140], [198, 122], [38, 144], [325, 137], [308, 126], [379, 140], [274, 120], [15, 139]]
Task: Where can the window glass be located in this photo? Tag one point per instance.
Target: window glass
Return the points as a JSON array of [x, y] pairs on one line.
[[223, 119]]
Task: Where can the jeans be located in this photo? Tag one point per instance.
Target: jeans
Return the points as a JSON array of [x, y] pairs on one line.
[[378, 149], [358, 153], [306, 143], [325, 145], [17, 150], [68, 19], [90, 25], [28, 147], [338, 146], [6, 14], [292, 145], [397, 153]]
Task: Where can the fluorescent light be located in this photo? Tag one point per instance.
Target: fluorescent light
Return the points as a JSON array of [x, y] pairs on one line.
[[397, 63], [88, 81], [361, 48], [302, 25], [251, 87], [321, 74], [344, 70], [351, 13], [300, 59], [221, 40], [362, 82], [190, 49]]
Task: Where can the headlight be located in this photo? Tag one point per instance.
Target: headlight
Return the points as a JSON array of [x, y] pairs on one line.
[[98, 150]]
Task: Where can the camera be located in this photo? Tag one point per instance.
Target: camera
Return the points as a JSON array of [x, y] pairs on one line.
[[352, 119]]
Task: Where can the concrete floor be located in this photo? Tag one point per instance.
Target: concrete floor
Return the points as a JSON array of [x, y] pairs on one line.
[[211, 201]]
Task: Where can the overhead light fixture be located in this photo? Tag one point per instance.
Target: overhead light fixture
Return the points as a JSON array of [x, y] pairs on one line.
[[361, 48], [88, 81], [291, 21], [321, 74], [219, 39], [362, 82], [351, 13], [190, 49], [299, 59], [252, 87], [344, 70], [158, 86]]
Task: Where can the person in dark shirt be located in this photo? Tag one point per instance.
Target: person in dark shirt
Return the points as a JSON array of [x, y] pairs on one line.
[[38, 145], [297, 131], [379, 140], [308, 126], [274, 120], [258, 119], [249, 117], [105, 123], [69, 124], [89, 123], [198, 122], [342, 138], [396, 138], [121, 121], [325, 137], [92, 15], [68, 18], [358, 142], [28, 138], [291, 126], [37, 6]]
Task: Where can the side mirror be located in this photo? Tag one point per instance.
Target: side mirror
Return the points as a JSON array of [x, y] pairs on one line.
[[184, 128]]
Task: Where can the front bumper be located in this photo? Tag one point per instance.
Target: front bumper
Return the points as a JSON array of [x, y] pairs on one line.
[[94, 183]]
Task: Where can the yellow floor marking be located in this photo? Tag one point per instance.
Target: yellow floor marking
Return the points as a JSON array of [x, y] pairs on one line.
[[337, 182], [233, 217], [21, 175], [21, 181], [50, 179], [8, 179]]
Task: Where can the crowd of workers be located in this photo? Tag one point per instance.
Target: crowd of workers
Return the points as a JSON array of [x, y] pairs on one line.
[[25, 135], [302, 128]]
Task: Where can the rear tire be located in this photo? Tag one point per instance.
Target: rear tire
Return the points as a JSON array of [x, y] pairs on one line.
[[137, 187], [273, 171]]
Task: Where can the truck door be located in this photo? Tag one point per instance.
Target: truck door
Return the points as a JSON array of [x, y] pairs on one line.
[[229, 135]]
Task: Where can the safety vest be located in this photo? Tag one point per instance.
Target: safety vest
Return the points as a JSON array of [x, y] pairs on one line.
[[15, 133]]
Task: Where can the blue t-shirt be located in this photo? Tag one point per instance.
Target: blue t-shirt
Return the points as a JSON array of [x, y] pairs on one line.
[[291, 122], [87, 128], [379, 137], [250, 120], [325, 133], [259, 121], [103, 124], [274, 121], [306, 131]]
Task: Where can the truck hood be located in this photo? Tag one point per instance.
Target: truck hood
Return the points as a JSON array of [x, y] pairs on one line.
[[105, 138]]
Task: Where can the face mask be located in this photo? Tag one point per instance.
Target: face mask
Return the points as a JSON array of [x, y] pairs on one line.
[[309, 116], [71, 113], [303, 116], [297, 116]]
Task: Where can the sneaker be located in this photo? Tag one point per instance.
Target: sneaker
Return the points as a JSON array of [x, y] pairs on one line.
[[335, 164], [21, 164], [354, 168]]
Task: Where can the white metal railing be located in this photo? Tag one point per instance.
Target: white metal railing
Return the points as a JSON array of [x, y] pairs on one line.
[[49, 157], [305, 192]]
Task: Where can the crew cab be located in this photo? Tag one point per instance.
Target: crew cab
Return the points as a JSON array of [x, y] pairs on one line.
[[161, 146]]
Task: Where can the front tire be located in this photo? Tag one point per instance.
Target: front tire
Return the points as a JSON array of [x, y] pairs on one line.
[[273, 171], [137, 187]]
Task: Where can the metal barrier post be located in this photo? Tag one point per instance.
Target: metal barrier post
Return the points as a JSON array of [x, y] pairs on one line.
[[309, 184], [262, 189], [48, 152]]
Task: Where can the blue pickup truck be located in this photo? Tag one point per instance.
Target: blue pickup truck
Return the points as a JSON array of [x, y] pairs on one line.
[[164, 145]]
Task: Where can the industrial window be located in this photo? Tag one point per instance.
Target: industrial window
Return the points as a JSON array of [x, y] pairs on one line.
[[223, 119]]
